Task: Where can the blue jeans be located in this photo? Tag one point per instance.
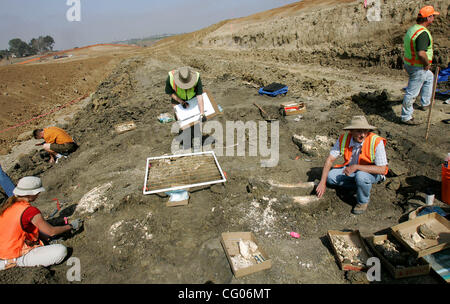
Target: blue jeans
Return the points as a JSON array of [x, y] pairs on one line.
[[360, 180], [420, 81], [6, 183]]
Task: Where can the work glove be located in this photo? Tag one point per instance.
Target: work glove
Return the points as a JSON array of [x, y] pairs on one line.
[[76, 224]]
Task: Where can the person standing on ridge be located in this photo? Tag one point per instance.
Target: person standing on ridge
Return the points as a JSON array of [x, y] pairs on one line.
[[418, 47]]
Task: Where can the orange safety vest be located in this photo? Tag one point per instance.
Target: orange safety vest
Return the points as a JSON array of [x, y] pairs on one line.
[[14, 241], [367, 155]]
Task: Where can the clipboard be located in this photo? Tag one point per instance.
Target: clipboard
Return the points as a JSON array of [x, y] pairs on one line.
[[191, 115]]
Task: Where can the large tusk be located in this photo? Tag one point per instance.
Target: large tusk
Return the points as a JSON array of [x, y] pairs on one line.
[[305, 200], [297, 185]]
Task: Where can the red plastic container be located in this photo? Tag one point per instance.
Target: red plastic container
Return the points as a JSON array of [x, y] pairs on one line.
[[445, 190]]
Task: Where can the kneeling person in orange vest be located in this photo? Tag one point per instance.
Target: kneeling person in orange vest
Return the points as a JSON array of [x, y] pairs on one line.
[[57, 142], [23, 229], [365, 162]]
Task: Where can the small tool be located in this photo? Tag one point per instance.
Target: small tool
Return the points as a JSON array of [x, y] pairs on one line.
[[58, 208], [265, 116]]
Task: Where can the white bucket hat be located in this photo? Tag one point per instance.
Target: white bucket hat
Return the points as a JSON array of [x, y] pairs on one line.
[[359, 122], [28, 185]]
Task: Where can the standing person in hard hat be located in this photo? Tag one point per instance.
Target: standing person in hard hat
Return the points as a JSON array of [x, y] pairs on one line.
[[6, 183], [365, 162], [57, 142], [182, 85], [23, 228], [418, 47]]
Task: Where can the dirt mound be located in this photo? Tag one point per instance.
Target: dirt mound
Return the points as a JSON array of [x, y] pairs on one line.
[[27, 91]]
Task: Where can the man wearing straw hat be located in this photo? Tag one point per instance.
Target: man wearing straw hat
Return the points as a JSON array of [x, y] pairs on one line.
[[184, 84], [418, 47], [365, 162]]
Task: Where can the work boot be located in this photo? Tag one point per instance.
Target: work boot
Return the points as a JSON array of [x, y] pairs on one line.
[[359, 208], [422, 108], [411, 122]]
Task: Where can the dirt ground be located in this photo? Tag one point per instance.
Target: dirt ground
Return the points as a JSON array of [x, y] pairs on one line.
[[337, 67]]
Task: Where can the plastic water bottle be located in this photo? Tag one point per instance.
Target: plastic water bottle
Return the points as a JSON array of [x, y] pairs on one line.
[[447, 159]]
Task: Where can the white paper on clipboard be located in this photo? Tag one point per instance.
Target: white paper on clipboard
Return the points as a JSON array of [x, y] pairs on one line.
[[192, 112]]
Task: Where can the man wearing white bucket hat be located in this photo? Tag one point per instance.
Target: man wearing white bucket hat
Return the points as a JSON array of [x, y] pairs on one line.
[[23, 228], [365, 162]]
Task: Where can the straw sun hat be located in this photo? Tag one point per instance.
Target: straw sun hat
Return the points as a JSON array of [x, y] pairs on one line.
[[28, 185], [185, 78], [359, 122]]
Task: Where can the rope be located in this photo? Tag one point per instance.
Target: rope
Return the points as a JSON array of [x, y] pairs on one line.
[[43, 115]]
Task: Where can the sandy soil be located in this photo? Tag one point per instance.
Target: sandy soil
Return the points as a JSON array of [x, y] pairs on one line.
[[338, 69]]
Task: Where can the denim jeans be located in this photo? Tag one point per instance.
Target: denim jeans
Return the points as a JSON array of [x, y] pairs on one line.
[[420, 81], [360, 180], [6, 183]]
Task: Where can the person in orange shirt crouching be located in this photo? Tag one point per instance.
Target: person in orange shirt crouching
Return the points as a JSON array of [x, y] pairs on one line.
[[23, 229], [57, 142]]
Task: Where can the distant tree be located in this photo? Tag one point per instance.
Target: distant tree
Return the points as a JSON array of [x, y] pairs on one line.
[[4, 54], [49, 42], [19, 48], [42, 44]]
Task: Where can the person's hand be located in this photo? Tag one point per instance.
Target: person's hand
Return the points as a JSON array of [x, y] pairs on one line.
[[76, 224], [184, 104], [350, 170], [426, 68], [204, 118], [320, 190]]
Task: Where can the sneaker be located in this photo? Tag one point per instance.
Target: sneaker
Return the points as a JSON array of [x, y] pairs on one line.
[[359, 208], [411, 122]]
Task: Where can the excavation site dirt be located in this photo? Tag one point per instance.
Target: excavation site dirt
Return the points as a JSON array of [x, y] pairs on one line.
[[336, 67]]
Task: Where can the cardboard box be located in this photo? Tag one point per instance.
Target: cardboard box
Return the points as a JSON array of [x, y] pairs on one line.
[[352, 238], [293, 108], [437, 223], [230, 243], [397, 273]]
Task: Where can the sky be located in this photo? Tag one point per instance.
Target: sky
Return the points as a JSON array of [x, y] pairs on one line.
[[104, 21]]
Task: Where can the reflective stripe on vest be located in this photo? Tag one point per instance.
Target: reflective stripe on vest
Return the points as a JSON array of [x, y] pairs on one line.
[[409, 43], [367, 155], [14, 241], [183, 94]]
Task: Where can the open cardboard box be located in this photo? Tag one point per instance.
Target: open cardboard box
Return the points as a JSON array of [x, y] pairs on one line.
[[352, 238], [437, 223], [397, 273], [230, 240], [293, 108]]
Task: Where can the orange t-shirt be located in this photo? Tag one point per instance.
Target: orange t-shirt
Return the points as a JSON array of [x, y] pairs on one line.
[[55, 135]]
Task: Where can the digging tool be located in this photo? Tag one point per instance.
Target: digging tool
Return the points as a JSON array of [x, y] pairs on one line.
[[58, 208], [436, 75], [267, 118]]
